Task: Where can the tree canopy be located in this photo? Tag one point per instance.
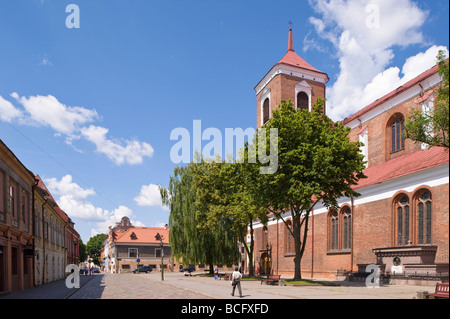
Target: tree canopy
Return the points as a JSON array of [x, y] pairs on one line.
[[430, 125], [317, 164]]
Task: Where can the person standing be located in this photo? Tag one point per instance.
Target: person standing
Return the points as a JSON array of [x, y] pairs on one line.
[[216, 273], [236, 281]]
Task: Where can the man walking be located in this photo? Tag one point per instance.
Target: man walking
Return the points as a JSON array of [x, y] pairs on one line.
[[236, 281]]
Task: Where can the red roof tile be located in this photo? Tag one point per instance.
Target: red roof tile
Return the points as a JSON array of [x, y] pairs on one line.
[[404, 165], [393, 93], [293, 59], [143, 235]]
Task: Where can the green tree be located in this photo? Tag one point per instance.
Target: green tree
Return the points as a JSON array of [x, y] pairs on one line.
[[317, 163], [94, 246], [191, 242], [431, 126], [225, 193], [82, 250]]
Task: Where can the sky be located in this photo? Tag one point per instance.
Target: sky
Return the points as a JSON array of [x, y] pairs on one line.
[[90, 94]]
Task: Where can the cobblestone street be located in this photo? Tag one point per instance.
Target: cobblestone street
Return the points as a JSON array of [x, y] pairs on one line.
[[178, 286]]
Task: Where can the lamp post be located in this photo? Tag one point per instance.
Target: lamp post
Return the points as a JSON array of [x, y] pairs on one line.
[[160, 238]]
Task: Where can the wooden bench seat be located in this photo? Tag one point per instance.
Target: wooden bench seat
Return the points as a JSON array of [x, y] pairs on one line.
[[441, 291], [272, 279], [226, 276]]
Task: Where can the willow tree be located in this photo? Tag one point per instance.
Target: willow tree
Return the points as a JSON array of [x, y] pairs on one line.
[[190, 242], [317, 163], [227, 192]]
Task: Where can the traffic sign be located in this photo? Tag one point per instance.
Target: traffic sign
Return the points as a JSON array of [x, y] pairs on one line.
[[138, 260]]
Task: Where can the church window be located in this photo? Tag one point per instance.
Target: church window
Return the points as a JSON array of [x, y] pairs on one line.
[[424, 218], [334, 220], [397, 135], [266, 111], [302, 101], [402, 218], [265, 236], [289, 238], [347, 221]]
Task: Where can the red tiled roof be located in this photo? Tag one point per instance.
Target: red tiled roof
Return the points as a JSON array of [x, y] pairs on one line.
[[293, 59], [404, 165], [49, 196], [393, 93], [143, 235]]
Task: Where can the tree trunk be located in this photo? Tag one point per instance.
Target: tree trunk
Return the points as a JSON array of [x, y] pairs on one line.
[[298, 245]]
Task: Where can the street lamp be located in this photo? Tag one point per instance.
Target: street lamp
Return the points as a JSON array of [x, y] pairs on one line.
[[160, 238]]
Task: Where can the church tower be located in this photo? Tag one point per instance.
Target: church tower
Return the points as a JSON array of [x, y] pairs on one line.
[[292, 78]]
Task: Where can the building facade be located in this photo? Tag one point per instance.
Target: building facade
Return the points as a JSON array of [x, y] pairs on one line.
[[400, 222], [16, 232], [37, 238], [50, 237], [126, 244]]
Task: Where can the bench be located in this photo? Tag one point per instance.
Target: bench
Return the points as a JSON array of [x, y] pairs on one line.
[[272, 279], [226, 276], [441, 291]]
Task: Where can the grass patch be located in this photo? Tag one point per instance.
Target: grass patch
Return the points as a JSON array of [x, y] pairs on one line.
[[308, 283]]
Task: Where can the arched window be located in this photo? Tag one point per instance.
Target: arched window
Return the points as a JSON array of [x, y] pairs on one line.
[[302, 101], [347, 231], [266, 111], [289, 238], [265, 233], [424, 218], [397, 134], [334, 223], [402, 219]]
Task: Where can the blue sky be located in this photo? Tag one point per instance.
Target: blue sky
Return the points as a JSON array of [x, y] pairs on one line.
[[91, 109]]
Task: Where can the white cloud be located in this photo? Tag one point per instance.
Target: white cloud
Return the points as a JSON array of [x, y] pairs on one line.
[[71, 122], [66, 186], [73, 200], [7, 111], [392, 78], [132, 153], [48, 111], [149, 196], [364, 34]]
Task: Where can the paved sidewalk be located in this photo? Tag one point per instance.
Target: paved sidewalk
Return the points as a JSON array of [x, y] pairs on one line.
[[221, 289], [53, 290], [178, 286]]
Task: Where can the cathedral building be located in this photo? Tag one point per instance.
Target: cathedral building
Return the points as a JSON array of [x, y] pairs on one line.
[[401, 220]]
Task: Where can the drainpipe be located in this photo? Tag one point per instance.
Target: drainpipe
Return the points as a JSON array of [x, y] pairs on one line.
[[278, 247], [351, 235], [33, 231], [312, 244], [43, 242]]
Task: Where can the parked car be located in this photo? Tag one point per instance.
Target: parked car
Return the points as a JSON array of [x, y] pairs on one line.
[[145, 269], [189, 269]]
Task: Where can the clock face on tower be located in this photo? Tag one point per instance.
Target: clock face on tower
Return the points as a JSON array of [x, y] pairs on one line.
[[396, 261]]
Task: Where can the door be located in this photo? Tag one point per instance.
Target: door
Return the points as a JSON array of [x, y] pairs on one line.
[[2, 268]]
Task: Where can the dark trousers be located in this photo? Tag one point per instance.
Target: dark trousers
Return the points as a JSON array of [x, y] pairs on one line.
[[238, 284]]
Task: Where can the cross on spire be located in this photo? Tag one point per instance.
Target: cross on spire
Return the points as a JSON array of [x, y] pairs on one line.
[[290, 24]]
